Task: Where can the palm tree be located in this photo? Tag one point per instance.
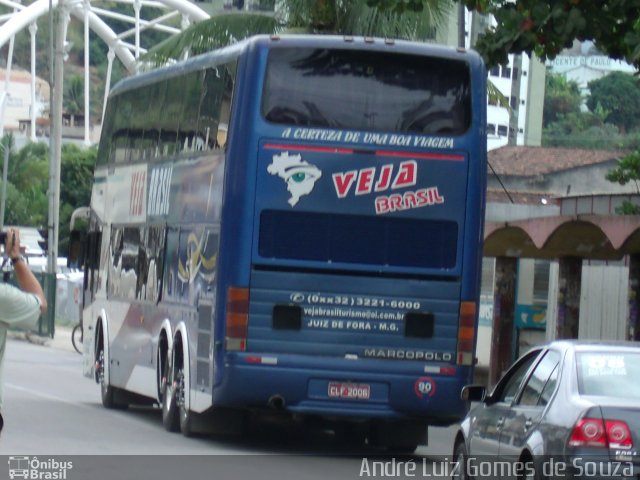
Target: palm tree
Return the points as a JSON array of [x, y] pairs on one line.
[[344, 17], [74, 95]]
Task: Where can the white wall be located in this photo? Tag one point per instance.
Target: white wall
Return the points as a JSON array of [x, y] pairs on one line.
[[604, 304], [18, 106]]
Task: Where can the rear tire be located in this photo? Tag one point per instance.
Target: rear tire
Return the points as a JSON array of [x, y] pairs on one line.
[[186, 415], [170, 418]]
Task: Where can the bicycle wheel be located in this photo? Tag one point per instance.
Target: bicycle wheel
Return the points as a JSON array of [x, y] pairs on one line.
[[76, 338]]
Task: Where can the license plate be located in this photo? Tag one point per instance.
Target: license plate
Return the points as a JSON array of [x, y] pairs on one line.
[[359, 391]]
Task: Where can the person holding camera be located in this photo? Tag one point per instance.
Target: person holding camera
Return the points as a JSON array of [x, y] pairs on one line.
[[18, 306]]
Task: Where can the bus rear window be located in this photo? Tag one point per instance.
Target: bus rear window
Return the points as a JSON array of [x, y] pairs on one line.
[[371, 90], [328, 237]]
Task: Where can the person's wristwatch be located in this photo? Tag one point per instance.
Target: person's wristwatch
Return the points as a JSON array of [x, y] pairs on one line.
[[17, 259]]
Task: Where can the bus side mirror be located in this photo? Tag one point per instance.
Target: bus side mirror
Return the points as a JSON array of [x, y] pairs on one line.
[[473, 393]]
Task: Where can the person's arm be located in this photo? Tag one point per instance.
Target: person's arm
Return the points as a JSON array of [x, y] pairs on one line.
[[25, 277], [29, 283]]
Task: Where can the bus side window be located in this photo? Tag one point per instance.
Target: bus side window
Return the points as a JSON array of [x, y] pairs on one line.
[[91, 264], [190, 136], [170, 122], [124, 268], [227, 98], [151, 260], [170, 284], [210, 103], [105, 151]]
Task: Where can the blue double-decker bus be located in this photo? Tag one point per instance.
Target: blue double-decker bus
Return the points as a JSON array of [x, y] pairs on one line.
[[292, 223]]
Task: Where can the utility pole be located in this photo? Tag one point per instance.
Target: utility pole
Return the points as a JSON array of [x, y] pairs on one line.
[[56, 141], [56, 82], [5, 169], [462, 28]]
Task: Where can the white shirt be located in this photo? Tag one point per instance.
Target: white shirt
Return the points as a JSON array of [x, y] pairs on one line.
[[17, 308]]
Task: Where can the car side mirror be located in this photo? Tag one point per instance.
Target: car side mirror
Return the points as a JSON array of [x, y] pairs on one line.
[[473, 393]]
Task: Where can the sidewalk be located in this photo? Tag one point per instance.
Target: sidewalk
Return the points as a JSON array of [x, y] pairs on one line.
[[61, 339]]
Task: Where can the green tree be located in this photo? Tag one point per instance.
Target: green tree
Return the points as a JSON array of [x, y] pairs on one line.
[[627, 171], [28, 180], [618, 94], [347, 17], [561, 98], [27, 185], [74, 95], [76, 178], [547, 27], [582, 130]]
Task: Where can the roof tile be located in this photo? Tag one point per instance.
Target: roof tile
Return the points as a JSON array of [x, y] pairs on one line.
[[530, 161]]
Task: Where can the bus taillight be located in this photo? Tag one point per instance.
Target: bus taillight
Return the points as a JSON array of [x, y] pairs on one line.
[[466, 333], [237, 320]]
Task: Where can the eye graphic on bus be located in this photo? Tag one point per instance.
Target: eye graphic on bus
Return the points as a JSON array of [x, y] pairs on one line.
[[299, 175]]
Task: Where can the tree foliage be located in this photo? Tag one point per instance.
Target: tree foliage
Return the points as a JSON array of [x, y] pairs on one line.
[[561, 98], [627, 171], [618, 95], [74, 95], [28, 181], [345, 17], [76, 178], [547, 27], [28, 174]]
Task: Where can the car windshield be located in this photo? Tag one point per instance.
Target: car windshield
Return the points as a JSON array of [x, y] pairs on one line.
[[612, 374]]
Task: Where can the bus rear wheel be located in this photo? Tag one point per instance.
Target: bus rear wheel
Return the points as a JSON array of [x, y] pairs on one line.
[[186, 416], [170, 412]]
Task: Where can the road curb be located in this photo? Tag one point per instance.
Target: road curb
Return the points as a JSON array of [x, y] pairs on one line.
[[28, 337], [60, 341]]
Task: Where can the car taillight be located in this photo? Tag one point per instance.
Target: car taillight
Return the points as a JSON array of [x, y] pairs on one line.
[[588, 432], [596, 432], [619, 434], [237, 320], [466, 333]]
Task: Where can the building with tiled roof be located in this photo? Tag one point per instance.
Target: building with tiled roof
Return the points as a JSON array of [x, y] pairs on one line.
[[555, 172]]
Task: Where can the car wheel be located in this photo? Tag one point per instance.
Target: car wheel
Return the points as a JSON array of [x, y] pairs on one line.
[[460, 468]]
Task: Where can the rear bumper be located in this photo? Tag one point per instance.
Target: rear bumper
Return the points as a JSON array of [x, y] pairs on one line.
[[300, 385]]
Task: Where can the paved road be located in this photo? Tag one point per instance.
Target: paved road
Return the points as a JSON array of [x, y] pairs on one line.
[[52, 412]]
